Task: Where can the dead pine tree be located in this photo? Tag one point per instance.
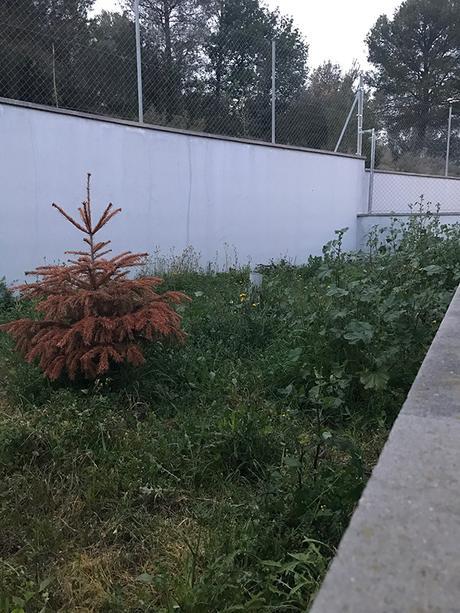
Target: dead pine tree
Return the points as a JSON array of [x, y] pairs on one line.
[[93, 315]]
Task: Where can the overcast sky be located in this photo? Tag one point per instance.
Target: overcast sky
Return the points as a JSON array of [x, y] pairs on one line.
[[335, 29]]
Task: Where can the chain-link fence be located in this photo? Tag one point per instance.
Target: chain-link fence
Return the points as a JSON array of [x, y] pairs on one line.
[[403, 193], [194, 68], [67, 60], [435, 151], [191, 65], [416, 161]]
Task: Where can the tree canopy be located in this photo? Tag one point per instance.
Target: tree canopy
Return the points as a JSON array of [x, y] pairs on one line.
[[206, 64], [416, 60]]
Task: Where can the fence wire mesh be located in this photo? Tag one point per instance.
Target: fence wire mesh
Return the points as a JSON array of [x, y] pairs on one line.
[[405, 150], [202, 69], [414, 193], [417, 163], [63, 59], [212, 71]]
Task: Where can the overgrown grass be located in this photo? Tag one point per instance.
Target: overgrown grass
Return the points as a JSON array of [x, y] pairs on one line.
[[221, 476]]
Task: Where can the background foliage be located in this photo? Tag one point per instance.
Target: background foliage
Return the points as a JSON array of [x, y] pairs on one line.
[[416, 70]]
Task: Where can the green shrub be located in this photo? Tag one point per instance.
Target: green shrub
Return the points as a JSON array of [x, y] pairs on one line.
[[6, 296]]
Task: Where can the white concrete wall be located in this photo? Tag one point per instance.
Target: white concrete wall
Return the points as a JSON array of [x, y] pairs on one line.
[[175, 190], [394, 192]]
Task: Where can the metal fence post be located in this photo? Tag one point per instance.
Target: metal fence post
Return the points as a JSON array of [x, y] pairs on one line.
[[273, 91], [55, 91], [359, 142], [347, 121], [372, 169], [140, 100], [449, 128]]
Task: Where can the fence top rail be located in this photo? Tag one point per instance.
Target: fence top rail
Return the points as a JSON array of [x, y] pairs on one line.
[[411, 174], [400, 552], [157, 128]]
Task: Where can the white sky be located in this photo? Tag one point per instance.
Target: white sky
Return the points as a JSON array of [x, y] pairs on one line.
[[335, 29]]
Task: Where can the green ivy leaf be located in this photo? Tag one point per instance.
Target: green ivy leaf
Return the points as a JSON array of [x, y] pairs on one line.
[[145, 578], [292, 462], [295, 354], [374, 380], [359, 331], [433, 269], [337, 291]]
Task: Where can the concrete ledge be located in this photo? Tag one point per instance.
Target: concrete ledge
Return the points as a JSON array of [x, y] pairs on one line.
[[401, 552]]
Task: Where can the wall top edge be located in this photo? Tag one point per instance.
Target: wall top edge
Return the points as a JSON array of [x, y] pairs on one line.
[[145, 126]]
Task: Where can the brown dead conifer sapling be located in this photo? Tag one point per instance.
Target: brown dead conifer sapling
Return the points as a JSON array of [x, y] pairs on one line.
[[94, 314]]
